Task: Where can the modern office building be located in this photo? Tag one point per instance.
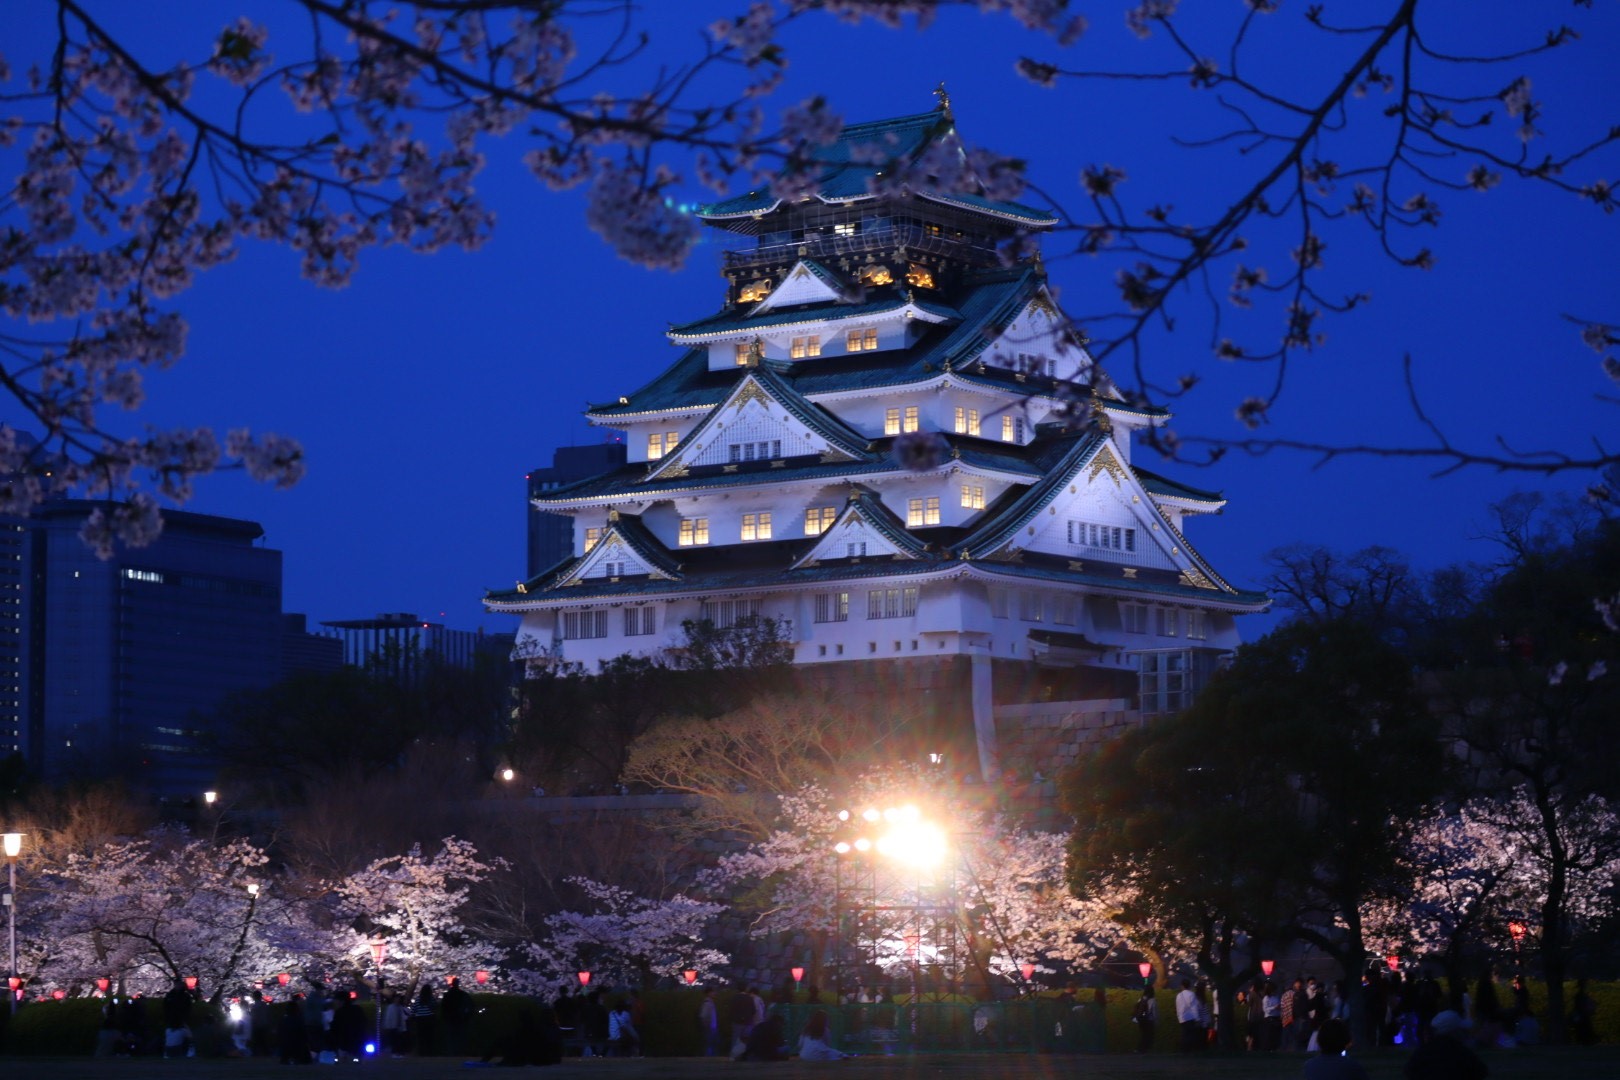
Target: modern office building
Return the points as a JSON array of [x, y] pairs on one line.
[[122, 661], [551, 535], [891, 441]]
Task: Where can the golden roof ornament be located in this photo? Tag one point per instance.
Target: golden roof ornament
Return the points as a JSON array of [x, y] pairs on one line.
[[756, 352], [944, 100], [1099, 417]]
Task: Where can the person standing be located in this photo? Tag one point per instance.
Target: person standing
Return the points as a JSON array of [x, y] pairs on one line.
[[742, 1021], [456, 1012], [1333, 1062], [1146, 1017], [1189, 1018], [424, 1021], [1271, 1008], [1445, 1056], [708, 1023]]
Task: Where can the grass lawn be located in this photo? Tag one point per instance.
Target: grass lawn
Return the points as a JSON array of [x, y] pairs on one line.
[[1522, 1064]]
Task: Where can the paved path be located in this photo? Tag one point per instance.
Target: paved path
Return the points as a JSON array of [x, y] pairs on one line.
[[1535, 1064]]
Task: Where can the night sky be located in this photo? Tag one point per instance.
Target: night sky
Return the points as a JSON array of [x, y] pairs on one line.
[[426, 390]]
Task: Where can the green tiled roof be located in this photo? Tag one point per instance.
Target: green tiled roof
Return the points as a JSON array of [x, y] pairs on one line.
[[983, 303], [731, 320], [1160, 485], [861, 152]]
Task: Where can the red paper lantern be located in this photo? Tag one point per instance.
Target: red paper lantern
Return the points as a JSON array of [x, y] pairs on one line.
[[1393, 961], [102, 984], [798, 975], [14, 982], [481, 977], [690, 975], [1267, 967], [191, 982], [1145, 968], [283, 978], [1517, 929], [58, 994], [584, 978], [1028, 970], [448, 979]]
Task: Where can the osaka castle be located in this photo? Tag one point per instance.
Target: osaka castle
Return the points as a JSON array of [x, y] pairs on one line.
[[889, 440]]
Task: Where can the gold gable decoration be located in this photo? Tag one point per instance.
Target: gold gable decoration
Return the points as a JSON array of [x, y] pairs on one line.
[[751, 392], [1195, 578], [1106, 462]]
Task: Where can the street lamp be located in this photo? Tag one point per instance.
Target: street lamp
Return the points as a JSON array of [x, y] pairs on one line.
[[1145, 969], [584, 978], [690, 975], [379, 953], [1267, 967], [798, 977], [13, 847], [480, 977]]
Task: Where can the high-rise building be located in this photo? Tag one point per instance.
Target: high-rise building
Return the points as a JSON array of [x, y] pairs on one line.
[[890, 440], [395, 643], [122, 661], [551, 535]]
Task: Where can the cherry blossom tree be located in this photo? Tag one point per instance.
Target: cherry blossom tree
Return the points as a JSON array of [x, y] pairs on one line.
[[148, 911], [622, 939], [1008, 880], [418, 904]]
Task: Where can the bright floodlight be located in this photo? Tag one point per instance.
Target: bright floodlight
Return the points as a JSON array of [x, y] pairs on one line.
[[863, 844], [870, 815], [843, 815], [507, 774], [915, 843], [842, 847], [13, 844]]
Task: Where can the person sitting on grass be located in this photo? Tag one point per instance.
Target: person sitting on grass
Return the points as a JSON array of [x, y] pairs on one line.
[[813, 1044], [1333, 1062]]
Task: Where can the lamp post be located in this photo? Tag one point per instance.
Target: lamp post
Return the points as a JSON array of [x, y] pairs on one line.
[[379, 953], [1145, 969], [13, 848]]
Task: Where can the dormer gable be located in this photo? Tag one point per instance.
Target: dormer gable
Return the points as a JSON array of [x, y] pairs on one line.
[[1053, 516], [762, 419], [626, 550], [807, 283], [865, 529]]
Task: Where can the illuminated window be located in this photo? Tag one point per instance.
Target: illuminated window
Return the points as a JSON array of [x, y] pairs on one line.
[[592, 538], [805, 346], [756, 526], [1012, 429], [1106, 537], [900, 603], [967, 421], [694, 531], [891, 421], [670, 439], [832, 607], [845, 228], [922, 511], [973, 496], [818, 519], [584, 624], [861, 340], [754, 291], [1164, 683], [725, 614], [743, 355], [876, 275], [912, 420], [919, 277], [655, 446]]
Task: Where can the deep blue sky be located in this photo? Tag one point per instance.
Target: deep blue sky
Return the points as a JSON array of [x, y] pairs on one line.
[[424, 391]]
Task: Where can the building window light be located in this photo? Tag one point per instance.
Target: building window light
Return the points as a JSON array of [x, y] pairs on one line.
[[1012, 429], [756, 526], [861, 340], [693, 532], [973, 496], [891, 421], [967, 421], [923, 511], [592, 538], [912, 420], [805, 346], [818, 519]]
